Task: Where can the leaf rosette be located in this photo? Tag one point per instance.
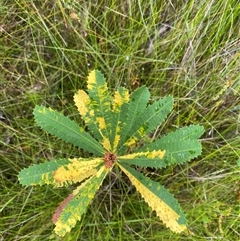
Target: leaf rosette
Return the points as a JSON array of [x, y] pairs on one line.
[[115, 124]]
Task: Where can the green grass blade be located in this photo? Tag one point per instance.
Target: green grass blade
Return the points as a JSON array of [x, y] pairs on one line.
[[66, 129], [157, 197], [77, 205]]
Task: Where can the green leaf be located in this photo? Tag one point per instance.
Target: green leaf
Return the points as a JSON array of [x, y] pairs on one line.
[[157, 197], [90, 114], [66, 129], [145, 159], [78, 202], [83, 103], [61, 172], [100, 105], [192, 132], [138, 102], [120, 108], [156, 113], [148, 120], [39, 174], [181, 146]]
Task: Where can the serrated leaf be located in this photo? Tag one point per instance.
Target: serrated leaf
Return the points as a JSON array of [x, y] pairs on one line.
[[155, 114], [147, 154], [42, 173], [181, 145], [65, 129], [77, 170], [61, 172], [78, 202], [157, 197], [138, 102], [100, 107], [120, 107], [103, 120], [148, 120], [192, 132], [83, 103], [154, 159]]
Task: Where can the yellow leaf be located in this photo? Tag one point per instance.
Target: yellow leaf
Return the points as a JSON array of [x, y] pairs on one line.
[[106, 143], [76, 171], [149, 154], [131, 141], [81, 100], [91, 79], [102, 89], [116, 139], [85, 193], [164, 212], [119, 99], [101, 123]]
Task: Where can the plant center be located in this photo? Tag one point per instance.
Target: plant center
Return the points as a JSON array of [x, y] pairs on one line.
[[109, 159]]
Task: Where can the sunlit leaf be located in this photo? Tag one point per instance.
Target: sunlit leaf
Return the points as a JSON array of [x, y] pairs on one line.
[[83, 103], [120, 107], [138, 102], [42, 173], [147, 121], [77, 203], [145, 159], [66, 129], [157, 197], [77, 170], [61, 172], [100, 107], [181, 145]]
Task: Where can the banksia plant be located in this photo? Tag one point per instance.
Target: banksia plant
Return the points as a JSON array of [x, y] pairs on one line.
[[115, 124]]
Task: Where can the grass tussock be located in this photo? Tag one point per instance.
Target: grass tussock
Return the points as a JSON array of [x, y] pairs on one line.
[[187, 49]]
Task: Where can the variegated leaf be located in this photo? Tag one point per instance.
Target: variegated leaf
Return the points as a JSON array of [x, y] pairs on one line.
[[42, 173], [138, 102], [100, 107], [61, 172], [76, 171], [181, 145], [120, 107], [145, 159], [157, 197], [66, 217], [147, 121], [83, 103]]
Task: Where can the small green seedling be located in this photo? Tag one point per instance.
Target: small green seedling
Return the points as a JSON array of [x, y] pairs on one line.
[[115, 124]]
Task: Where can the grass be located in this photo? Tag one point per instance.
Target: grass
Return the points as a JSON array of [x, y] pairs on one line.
[[47, 49]]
